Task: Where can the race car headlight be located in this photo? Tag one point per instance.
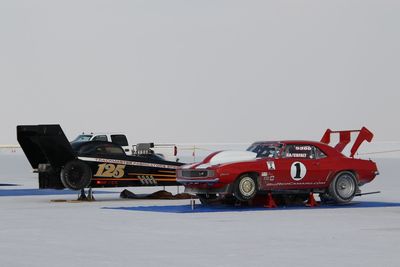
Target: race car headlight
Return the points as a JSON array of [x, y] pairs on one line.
[[210, 173]]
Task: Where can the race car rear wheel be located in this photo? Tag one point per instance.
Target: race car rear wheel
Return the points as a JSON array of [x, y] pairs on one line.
[[325, 198], [343, 187], [245, 187], [76, 175]]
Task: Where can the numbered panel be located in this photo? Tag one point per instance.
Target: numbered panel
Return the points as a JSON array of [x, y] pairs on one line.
[[110, 170]]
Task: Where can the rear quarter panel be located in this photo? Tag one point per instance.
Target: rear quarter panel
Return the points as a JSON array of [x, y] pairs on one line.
[[365, 170]]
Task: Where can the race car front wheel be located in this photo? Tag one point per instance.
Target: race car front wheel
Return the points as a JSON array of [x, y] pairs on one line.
[[343, 187], [76, 175], [245, 187]]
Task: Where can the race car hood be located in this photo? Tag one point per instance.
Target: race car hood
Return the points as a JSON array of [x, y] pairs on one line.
[[223, 157]]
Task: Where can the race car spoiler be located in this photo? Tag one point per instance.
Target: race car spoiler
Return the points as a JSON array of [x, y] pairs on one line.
[[45, 144], [345, 137]]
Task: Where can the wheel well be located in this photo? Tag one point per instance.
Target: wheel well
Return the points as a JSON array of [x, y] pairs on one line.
[[349, 170], [252, 174]]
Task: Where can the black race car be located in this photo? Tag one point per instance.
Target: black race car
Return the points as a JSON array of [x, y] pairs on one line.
[[90, 164]]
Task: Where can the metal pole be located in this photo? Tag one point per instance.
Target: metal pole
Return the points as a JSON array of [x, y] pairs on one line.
[[192, 203]]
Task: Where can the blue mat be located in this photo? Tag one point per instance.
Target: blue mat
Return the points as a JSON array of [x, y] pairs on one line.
[[200, 208], [41, 192]]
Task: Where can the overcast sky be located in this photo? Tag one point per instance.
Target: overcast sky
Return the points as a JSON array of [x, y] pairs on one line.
[[201, 71]]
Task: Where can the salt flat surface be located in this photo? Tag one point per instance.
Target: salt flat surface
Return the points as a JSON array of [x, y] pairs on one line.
[[37, 232]]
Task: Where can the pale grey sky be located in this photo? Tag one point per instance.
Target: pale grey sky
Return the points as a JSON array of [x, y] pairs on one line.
[[201, 71]]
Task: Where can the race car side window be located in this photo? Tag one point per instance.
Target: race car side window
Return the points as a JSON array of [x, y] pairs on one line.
[[318, 153], [100, 138], [299, 151], [271, 150]]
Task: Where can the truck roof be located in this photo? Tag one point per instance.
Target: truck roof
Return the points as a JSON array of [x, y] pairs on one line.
[[102, 133]]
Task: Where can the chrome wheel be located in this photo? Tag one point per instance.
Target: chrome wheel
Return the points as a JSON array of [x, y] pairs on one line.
[[247, 186], [345, 186]]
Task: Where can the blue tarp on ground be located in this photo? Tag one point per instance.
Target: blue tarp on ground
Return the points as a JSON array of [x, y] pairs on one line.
[[41, 192], [222, 208]]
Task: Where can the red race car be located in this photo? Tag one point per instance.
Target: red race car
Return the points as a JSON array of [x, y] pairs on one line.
[[285, 168]]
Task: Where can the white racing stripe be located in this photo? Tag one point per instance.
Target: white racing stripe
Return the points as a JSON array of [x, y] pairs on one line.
[[224, 157], [131, 163], [232, 156]]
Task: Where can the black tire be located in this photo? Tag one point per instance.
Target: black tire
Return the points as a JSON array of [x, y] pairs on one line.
[[326, 198], [76, 175], [207, 199], [343, 187], [245, 187], [50, 179]]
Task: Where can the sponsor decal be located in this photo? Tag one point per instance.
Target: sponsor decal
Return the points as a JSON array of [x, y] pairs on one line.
[[296, 151], [130, 163], [147, 180], [294, 183], [271, 165], [296, 155], [269, 178], [304, 148], [298, 171]]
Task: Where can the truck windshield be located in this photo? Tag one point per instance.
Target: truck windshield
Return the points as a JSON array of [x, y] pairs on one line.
[[83, 138], [270, 150]]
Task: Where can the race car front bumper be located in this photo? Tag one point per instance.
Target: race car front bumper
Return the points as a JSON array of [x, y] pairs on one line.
[[186, 181], [226, 189]]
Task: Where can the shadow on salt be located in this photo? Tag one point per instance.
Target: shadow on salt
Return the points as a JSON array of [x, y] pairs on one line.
[[40, 192], [222, 208]]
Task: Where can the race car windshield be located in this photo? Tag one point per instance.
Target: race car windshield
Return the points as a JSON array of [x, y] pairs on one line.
[[82, 138], [265, 150]]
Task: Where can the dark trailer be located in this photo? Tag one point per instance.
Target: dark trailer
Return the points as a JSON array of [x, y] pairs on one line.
[[90, 164]]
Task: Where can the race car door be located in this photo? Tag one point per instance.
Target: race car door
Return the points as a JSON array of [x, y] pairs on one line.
[[299, 168]]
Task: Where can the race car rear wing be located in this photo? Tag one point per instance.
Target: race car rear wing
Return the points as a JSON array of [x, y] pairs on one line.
[[345, 138], [45, 144]]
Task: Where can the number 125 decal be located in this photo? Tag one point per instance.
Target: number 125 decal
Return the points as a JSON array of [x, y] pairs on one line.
[[110, 170]]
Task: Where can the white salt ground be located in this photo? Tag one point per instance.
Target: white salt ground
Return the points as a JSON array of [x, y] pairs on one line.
[[37, 232]]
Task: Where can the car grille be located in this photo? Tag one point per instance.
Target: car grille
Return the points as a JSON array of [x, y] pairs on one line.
[[194, 173]]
